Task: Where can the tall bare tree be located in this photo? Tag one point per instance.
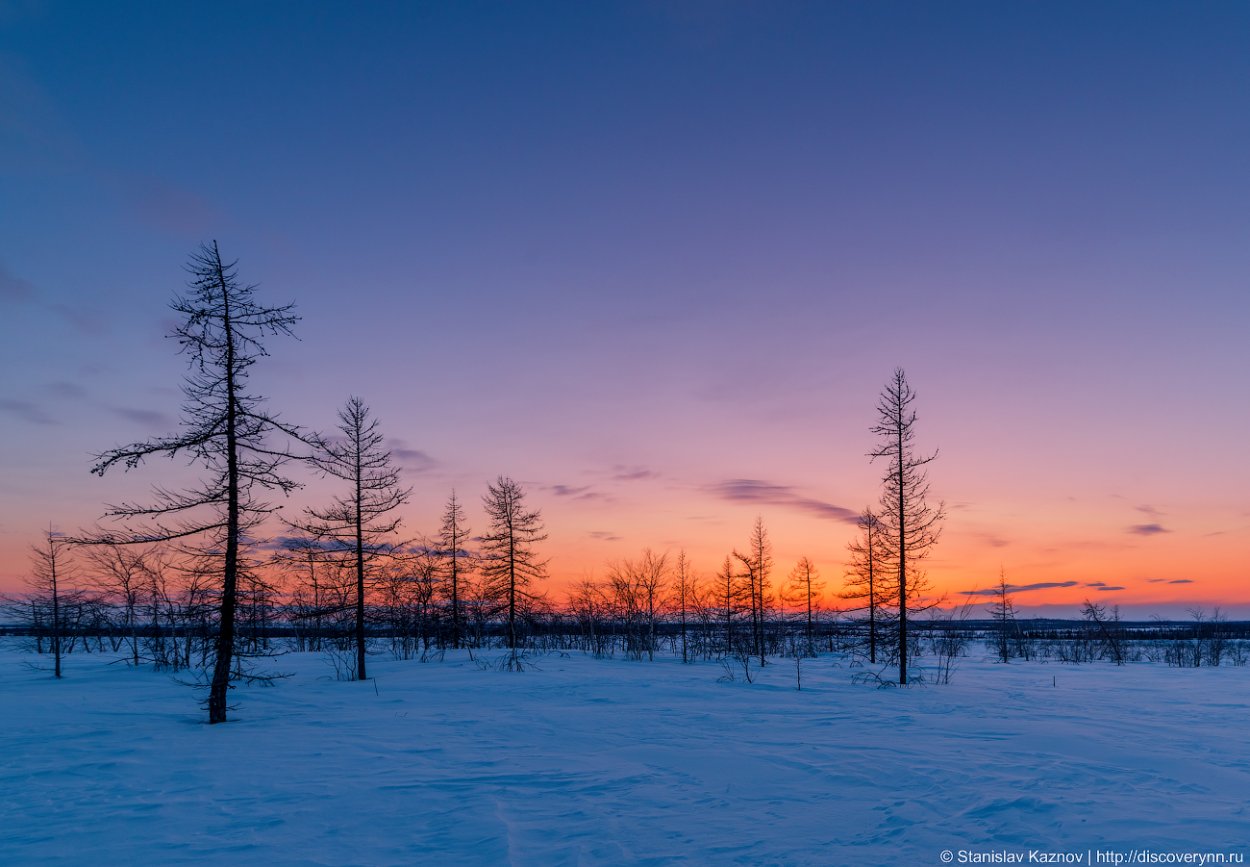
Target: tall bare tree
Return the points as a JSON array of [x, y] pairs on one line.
[[1003, 612], [758, 563], [725, 582], [226, 431], [49, 569], [806, 586], [866, 578], [509, 562], [456, 563], [684, 594], [360, 523], [912, 526]]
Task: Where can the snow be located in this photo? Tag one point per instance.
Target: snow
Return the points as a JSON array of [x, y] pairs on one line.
[[586, 761]]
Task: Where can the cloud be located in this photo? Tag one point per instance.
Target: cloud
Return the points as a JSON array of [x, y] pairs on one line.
[[1020, 588], [767, 493], [1095, 583], [413, 460], [1149, 510], [622, 473], [1108, 589], [1181, 581], [1147, 529], [994, 541], [586, 492], [604, 536], [28, 412]]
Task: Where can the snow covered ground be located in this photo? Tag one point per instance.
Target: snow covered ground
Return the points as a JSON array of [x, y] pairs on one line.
[[584, 761]]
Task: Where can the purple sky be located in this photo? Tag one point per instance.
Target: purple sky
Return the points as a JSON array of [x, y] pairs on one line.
[[635, 254]]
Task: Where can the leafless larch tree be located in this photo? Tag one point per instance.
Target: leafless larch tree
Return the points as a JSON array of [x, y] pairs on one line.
[[911, 525], [509, 562], [866, 579], [360, 524], [457, 563], [225, 431]]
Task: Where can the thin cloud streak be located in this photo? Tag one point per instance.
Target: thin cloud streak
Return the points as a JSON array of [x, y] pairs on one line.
[[771, 494], [1021, 588]]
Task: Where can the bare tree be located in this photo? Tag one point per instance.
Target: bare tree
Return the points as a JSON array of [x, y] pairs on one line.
[[1106, 629], [317, 594], [509, 563], [121, 576], [912, 526], [729, 599], [1003, 613], [457, 562], [758, 563], [806, 584], [50, 567], [685, 592], [865, 577], [226, 431], [360, 523], [635, 588]]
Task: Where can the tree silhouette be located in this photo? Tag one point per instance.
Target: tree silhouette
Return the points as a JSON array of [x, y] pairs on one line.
[[806, 583], [867, 575], [226, 431], [456, 562], [1003, 612], [684, 595], [49, 570], [758, 563], [359, 523], [510, 564], [911, 526]]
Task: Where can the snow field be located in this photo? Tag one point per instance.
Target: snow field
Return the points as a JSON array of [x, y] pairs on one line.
[[585, 761]]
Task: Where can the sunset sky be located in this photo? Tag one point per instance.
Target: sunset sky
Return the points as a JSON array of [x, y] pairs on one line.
[[656, 262]]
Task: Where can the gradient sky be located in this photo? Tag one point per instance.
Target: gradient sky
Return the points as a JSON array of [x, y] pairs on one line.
[[656, 261]]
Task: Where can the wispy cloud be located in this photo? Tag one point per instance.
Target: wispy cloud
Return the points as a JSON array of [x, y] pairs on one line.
[[771, 494], [1147, 529], [413, 460], [27, 411], [604, 536], [1020, 588], [1108, 589], [1169, 581], [622, 473], [573, 492]]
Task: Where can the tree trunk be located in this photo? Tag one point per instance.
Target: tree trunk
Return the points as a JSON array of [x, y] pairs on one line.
[[217, 699]]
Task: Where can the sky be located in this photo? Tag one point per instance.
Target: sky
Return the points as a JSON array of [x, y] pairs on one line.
[[656, 261]]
